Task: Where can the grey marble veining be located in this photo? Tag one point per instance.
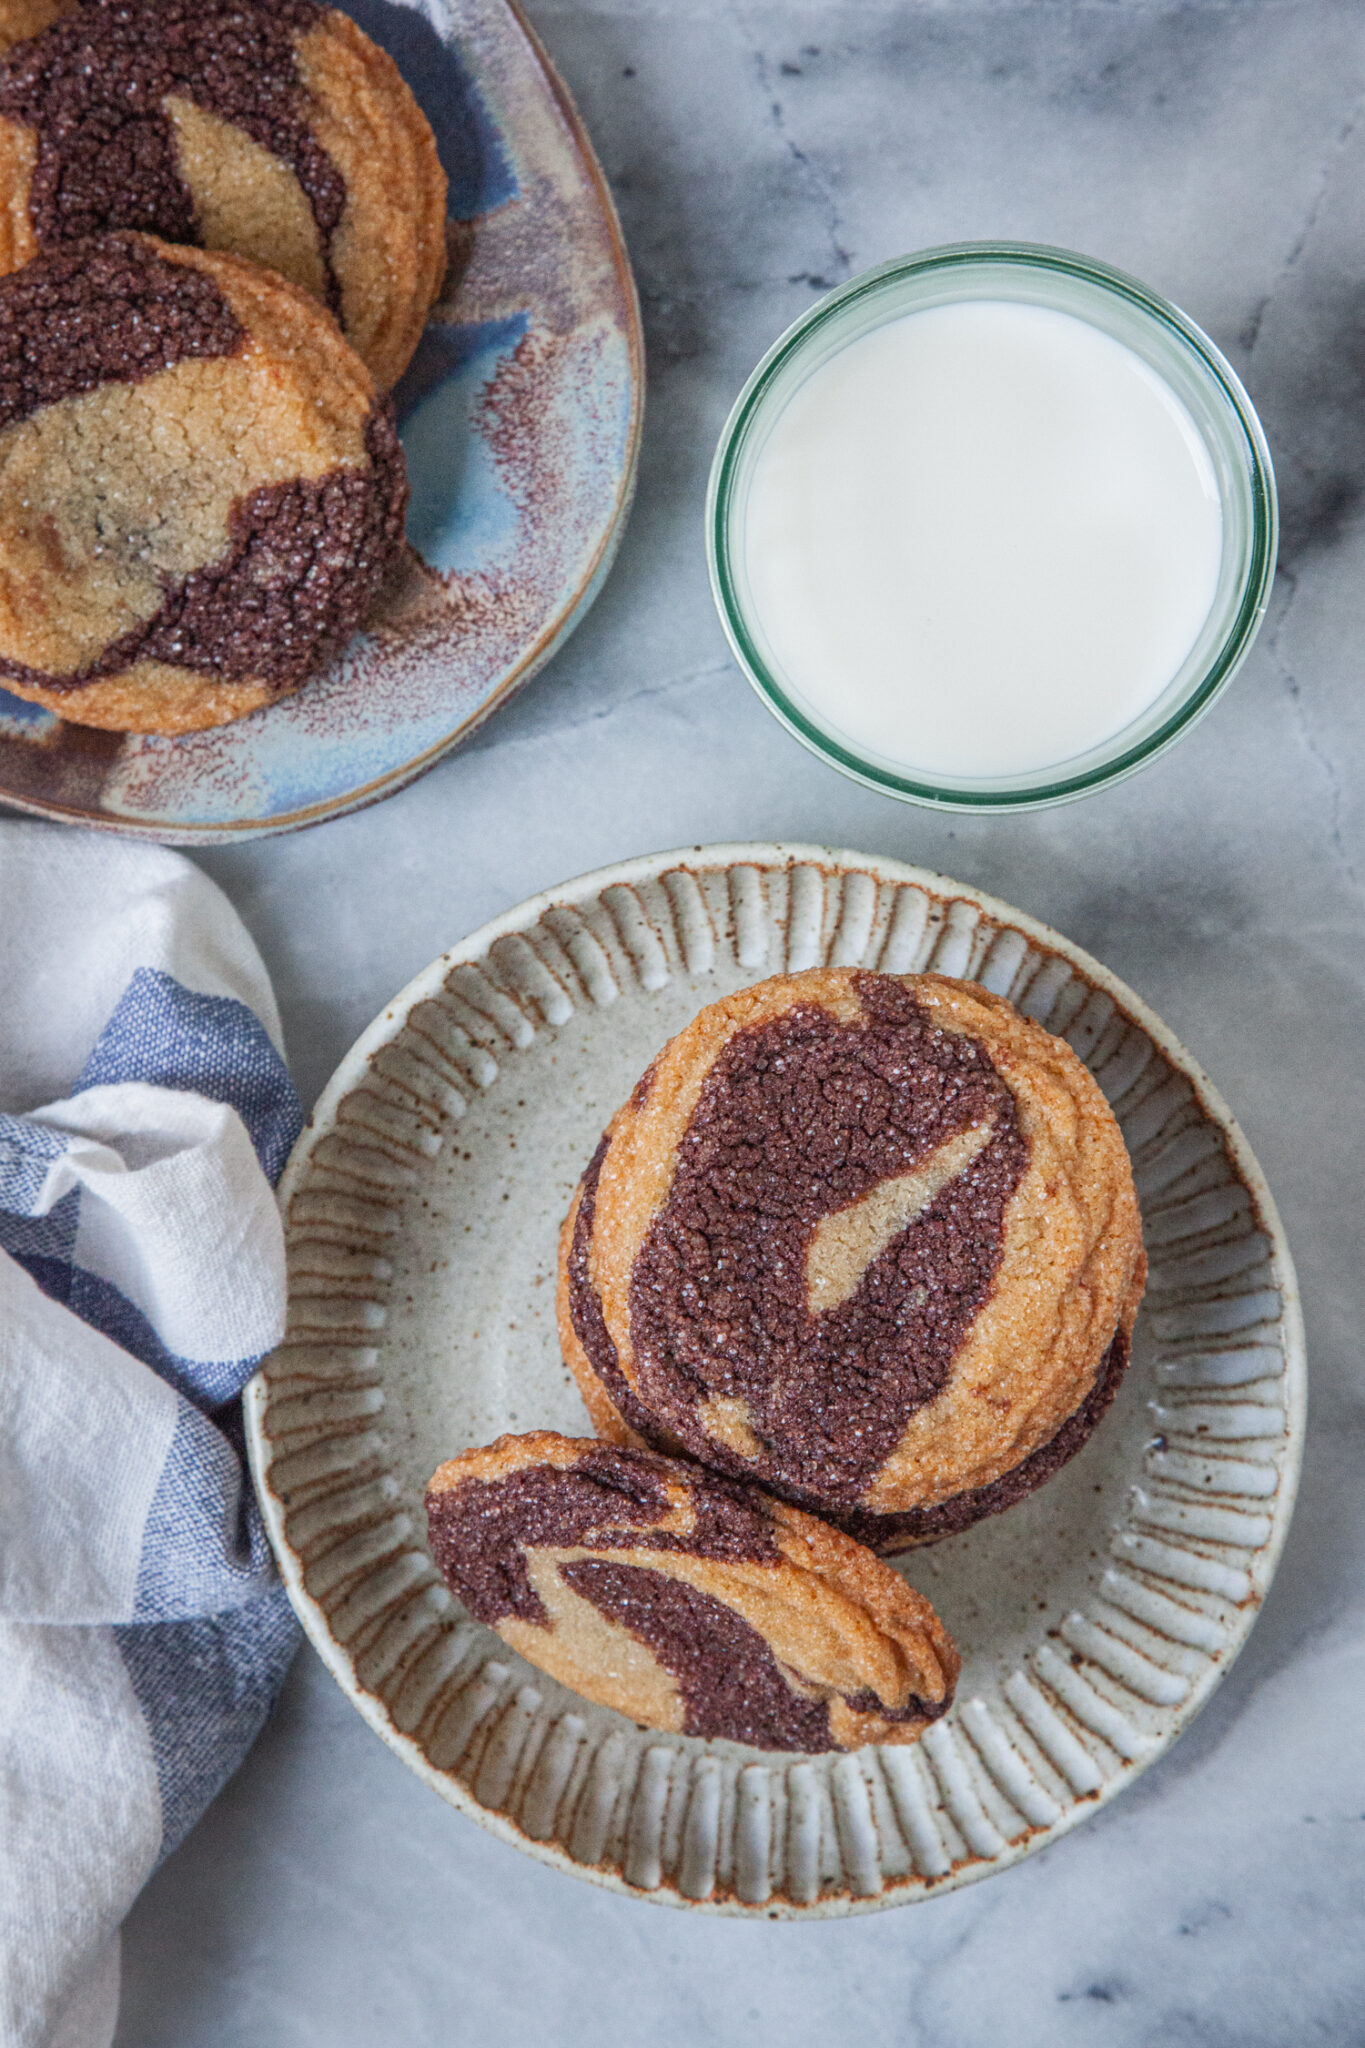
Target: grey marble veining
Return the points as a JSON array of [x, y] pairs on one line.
[[759, 153]]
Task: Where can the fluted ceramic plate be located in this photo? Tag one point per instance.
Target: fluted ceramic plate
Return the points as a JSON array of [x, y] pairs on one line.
[[520, 418], [423, 1203]]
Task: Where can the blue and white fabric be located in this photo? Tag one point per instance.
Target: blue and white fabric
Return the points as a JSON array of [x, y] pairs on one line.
[[145, 1111]]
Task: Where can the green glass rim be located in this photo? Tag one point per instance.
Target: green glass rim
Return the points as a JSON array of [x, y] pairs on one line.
[[1261, 550]]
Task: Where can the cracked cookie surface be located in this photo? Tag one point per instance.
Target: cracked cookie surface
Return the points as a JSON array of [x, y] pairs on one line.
[[280, 133], [870, 1240], [686, 1601], [201, 489]]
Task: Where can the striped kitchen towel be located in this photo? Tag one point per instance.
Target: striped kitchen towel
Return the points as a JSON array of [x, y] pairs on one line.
[[145, 1111]]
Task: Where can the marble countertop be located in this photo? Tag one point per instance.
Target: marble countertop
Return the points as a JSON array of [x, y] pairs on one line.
[[758, 154]]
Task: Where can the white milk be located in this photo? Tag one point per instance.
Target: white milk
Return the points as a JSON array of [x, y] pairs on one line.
[[982, 539]]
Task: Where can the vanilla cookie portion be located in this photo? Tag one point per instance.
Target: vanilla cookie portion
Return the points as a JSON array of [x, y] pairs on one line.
[[20, 19], [870, 1240], [685, 1601], [201, 489], [276, 131]]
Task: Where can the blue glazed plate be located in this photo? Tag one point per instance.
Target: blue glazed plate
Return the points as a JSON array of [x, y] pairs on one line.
[[520, 415]]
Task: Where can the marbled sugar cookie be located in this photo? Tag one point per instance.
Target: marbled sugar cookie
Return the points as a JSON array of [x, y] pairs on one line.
[[685, 1601], [869, 1240], [200, 487], [278, 132]]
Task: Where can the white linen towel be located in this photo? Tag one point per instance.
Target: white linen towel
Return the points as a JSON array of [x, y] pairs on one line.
[[145, 1111]]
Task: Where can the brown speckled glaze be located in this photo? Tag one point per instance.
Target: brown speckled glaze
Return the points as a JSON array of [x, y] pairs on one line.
[[1094, 1619]]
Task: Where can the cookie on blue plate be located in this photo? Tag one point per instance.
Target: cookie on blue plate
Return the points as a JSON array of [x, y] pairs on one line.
[[201, 489], [274, 131]]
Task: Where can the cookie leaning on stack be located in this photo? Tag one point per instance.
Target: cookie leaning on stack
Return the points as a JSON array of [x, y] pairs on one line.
[[686, 1601], [201, 488], [871, 1241], [277, 132]]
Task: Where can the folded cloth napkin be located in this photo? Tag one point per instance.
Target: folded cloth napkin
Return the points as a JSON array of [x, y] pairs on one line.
[[145, 1111]]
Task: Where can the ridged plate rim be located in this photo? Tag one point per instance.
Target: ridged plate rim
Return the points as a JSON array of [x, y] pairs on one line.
[[776, 857]]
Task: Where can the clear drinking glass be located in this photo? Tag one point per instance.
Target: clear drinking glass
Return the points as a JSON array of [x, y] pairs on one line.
[[1155, 331]]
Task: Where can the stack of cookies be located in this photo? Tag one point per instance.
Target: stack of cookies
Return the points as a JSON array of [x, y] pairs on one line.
[[859, 1258], [222, 226]]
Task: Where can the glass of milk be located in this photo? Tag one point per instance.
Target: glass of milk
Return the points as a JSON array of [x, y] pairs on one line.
[[991, 526]]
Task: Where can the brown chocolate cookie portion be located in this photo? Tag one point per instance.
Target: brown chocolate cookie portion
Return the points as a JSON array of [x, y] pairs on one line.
[[92, 88], [585, 1308], [887, 1535], [871, 1241], [726, 1673], [802, 1117], [278, 132], [294, 583], [200, 491], [481, 1530], [685, 1600], [111, 314]]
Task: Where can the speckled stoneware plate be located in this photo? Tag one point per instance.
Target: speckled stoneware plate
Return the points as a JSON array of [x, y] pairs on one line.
[[423, 1203], [520, 416]]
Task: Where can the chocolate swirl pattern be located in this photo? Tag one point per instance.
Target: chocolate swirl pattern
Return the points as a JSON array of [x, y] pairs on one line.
[[870, 1240], [1094, 1621], [200, 488], [686, 1602], [276, 132]]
